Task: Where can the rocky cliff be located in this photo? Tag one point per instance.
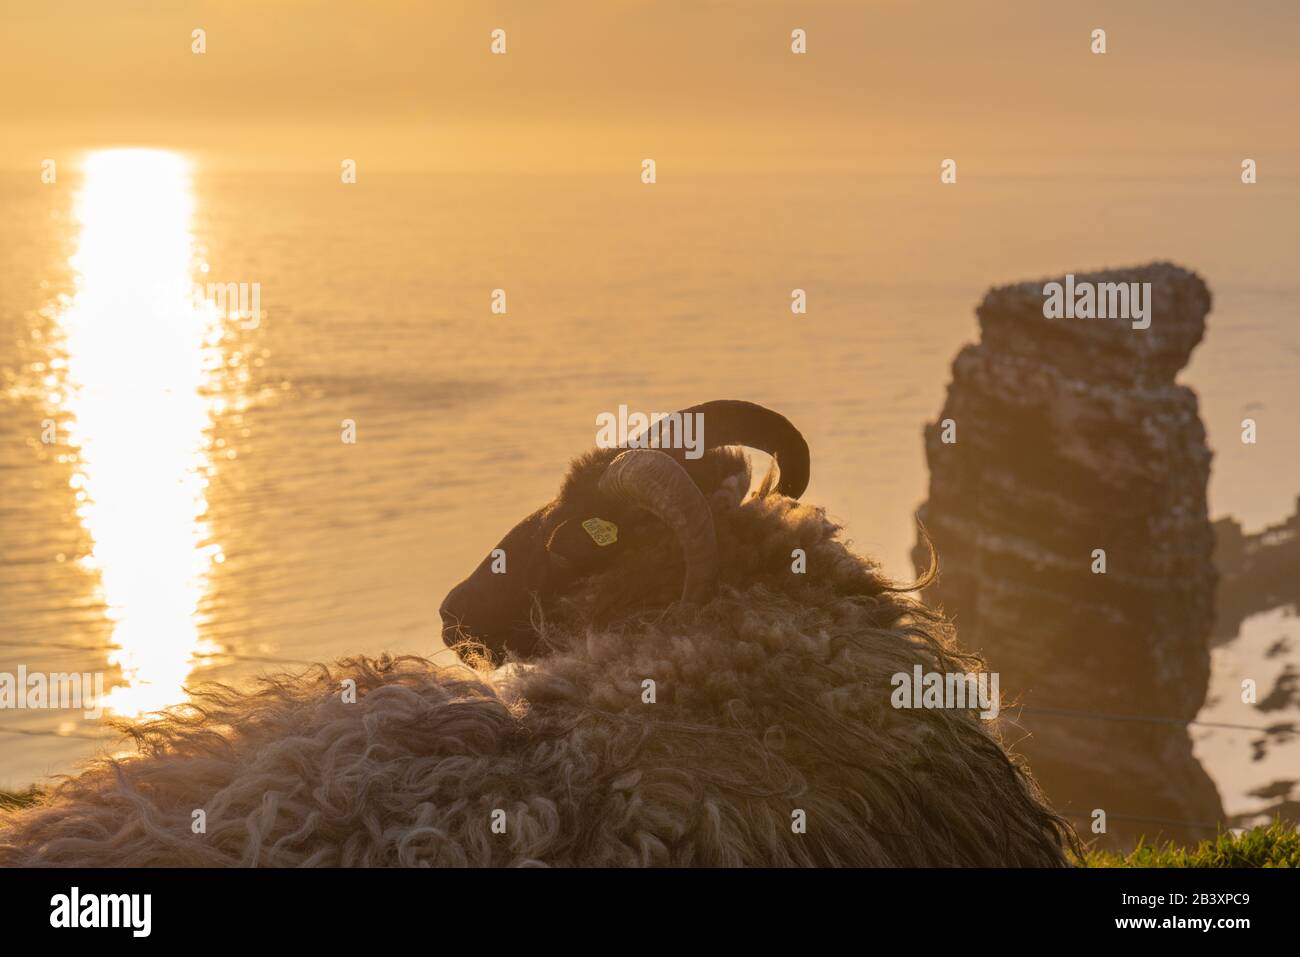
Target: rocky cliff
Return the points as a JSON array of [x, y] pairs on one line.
[[1067, 506], [1256, 572]]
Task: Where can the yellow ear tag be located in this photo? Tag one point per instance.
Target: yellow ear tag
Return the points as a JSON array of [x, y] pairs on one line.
[[602, 532]]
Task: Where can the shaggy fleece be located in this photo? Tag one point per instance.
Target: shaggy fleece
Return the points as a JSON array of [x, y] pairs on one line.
[[771, 699]]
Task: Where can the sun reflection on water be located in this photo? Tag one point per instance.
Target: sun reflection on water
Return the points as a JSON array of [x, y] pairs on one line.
[[139, 354]]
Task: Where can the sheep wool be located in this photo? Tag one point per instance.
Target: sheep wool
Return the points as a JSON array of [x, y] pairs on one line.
[[752, 729]]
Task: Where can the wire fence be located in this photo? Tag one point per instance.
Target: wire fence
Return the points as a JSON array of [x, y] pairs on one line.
[[1142, 719], [1138, 819], [105, 649]]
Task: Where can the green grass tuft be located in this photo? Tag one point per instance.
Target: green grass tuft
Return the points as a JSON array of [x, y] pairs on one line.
[[1277, 845]]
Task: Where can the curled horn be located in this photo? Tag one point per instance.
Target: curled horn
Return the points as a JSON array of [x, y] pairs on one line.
[[734, 422], [652, 480]]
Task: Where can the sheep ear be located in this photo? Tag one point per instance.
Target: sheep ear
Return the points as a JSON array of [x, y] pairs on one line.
[[769, 483], [581, 543]]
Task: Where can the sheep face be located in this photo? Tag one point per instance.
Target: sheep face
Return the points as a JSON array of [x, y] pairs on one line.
[[612, 503], [585, 530], [538, 558]]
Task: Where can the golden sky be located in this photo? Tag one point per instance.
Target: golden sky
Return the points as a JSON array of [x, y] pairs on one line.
[[705, 83]]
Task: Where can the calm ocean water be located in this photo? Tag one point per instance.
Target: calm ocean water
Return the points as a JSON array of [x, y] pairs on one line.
[[375, 301]]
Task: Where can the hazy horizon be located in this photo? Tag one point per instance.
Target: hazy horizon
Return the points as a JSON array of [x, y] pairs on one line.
[[884, 85]]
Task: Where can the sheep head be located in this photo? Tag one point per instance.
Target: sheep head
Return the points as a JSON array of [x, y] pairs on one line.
[[611, 502]]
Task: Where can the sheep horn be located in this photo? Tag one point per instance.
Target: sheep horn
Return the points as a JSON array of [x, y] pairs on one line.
[[652, 480], [735, 422]]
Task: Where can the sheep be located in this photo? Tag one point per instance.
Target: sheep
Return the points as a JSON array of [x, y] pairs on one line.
[[568, 538], [682, 698]]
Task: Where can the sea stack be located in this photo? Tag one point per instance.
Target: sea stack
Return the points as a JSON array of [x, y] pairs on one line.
[[1067, 507]]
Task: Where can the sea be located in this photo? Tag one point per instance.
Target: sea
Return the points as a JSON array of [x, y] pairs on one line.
[[188, 496]]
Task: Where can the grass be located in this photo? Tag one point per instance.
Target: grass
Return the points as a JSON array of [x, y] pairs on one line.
[[1276, 845]]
